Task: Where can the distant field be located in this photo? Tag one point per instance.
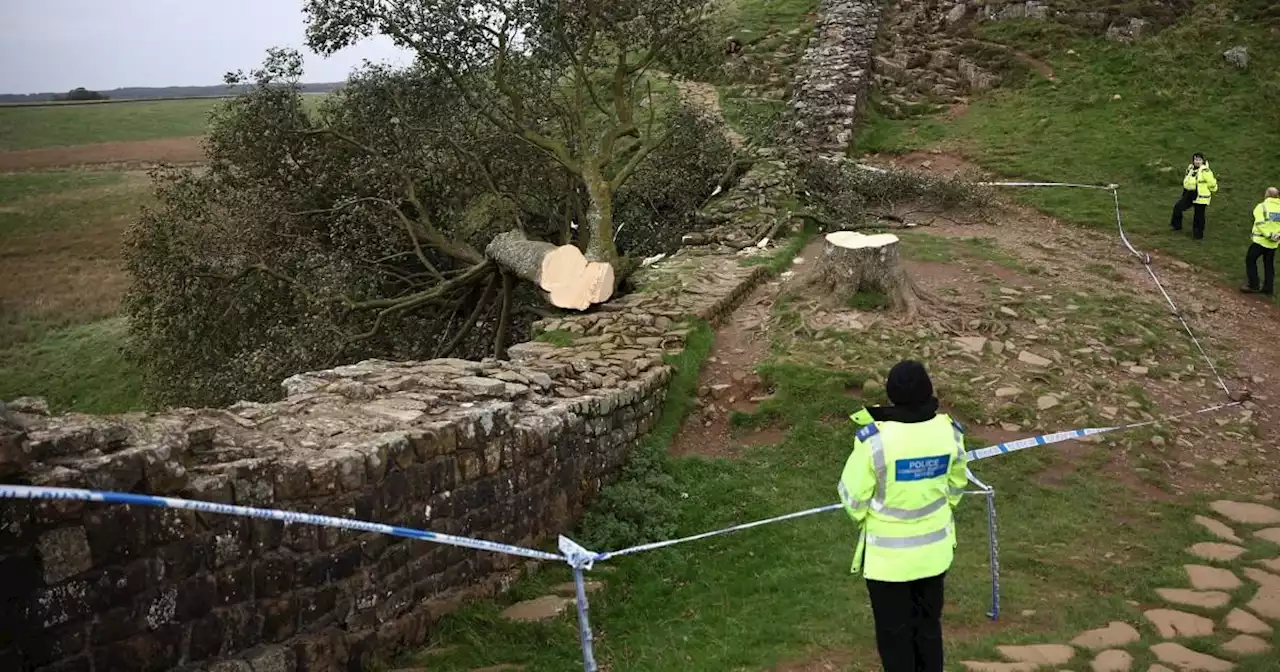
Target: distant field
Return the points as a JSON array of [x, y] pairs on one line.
[[26, 127], [64, 126]]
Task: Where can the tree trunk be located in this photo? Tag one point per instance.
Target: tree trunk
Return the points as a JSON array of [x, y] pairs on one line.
[[599, 219], [562, 271], [852, 262]]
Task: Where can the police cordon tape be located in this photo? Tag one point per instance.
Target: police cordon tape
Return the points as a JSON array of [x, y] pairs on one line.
[[581, 559]]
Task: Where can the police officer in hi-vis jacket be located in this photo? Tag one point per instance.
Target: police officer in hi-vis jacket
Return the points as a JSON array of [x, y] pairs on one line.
[[1198, 187], [907, 472]]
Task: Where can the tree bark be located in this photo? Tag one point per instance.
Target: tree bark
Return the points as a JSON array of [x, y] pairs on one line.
[[852, 262], [598, 223], [562, 271]]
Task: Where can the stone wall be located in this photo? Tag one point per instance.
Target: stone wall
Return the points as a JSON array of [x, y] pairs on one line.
[[835, 72], [510, 451]]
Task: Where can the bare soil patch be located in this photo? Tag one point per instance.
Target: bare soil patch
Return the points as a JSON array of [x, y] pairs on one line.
[[137, 153]]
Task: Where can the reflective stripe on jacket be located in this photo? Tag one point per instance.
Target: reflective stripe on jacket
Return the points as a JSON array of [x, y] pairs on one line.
[[1202, 181], [901, 483], [1266, 222]]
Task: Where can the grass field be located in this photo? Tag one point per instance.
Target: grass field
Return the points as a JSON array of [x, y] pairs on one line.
[[60, 237], [64, 126], [1131, 115]]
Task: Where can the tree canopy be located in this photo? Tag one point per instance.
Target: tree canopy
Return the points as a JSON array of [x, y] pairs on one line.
[[316, 238]]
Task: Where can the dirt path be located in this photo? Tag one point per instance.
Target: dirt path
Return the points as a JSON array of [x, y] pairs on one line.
[[728, 381], [142, 152]]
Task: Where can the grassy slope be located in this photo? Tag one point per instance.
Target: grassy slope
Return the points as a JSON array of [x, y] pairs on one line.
[[1177, 96]]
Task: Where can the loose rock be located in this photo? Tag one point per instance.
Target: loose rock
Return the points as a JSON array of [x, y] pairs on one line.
[[1247, 512], [1041, 654], [1116, 634], [1171, 623], [1215, 551], [1182, 657], [1218, 528], [1028, 357], [1211, 578], [1237, 56], [1206, 599], [974, 666], [537, 609], [1243, 621], [1114, 660], [1271, 534], [1246, 645]]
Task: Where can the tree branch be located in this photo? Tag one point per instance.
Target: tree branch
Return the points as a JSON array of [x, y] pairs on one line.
[[471, 319]]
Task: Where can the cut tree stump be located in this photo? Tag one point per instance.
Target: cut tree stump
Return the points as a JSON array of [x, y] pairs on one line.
[[560, 270], [853, 262]]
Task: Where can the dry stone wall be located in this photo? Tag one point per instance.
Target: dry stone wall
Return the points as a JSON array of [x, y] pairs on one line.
[[510, 451], [834, 74]]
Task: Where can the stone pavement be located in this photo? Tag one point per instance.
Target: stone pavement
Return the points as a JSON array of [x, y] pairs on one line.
[[1220, 606]]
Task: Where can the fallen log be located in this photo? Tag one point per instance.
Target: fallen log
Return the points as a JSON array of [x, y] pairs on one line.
[[570, 280]]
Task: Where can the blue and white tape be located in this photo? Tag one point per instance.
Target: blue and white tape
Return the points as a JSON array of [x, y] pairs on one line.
[[44, 493], [1071, 435]]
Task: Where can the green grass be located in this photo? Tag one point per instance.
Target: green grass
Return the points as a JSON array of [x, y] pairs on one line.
[[755, 20], [1177, 96], [80, 368], [18, 186], [38, 203], [557, 337], [752, 600], [780, 259], [60, 126]]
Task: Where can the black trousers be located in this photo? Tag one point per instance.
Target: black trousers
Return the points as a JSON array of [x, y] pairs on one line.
[[1197, 221], [1268, 256], [908, 623]]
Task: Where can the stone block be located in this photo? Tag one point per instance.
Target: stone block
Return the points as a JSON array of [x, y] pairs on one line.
[[273, 576], [205, 638], [196, 597], [50, 645], [157, 651], [279, 618]]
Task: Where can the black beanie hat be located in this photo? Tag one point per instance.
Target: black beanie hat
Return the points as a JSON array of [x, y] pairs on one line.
[[909, 384]]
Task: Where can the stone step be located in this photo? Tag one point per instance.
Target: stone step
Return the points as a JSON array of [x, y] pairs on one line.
[[1185, 659]]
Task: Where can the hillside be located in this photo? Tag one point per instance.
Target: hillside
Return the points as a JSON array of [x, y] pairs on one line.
[[1127, 106]]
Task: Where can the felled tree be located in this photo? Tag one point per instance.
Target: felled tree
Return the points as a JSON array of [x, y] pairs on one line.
[[567, 77], [322, 235]]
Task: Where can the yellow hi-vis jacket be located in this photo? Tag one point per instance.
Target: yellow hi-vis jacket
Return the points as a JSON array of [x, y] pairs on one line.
[[1266, 221], [1201, 181], [901, 483]]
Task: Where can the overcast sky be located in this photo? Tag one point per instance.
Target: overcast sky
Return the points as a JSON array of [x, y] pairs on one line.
[[57, 45]]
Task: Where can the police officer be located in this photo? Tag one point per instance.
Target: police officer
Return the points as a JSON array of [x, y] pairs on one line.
[[906, 474], [1266, 238], [1198, 187]]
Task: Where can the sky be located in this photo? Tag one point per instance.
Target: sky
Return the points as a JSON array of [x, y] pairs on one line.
[[57, 45]]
